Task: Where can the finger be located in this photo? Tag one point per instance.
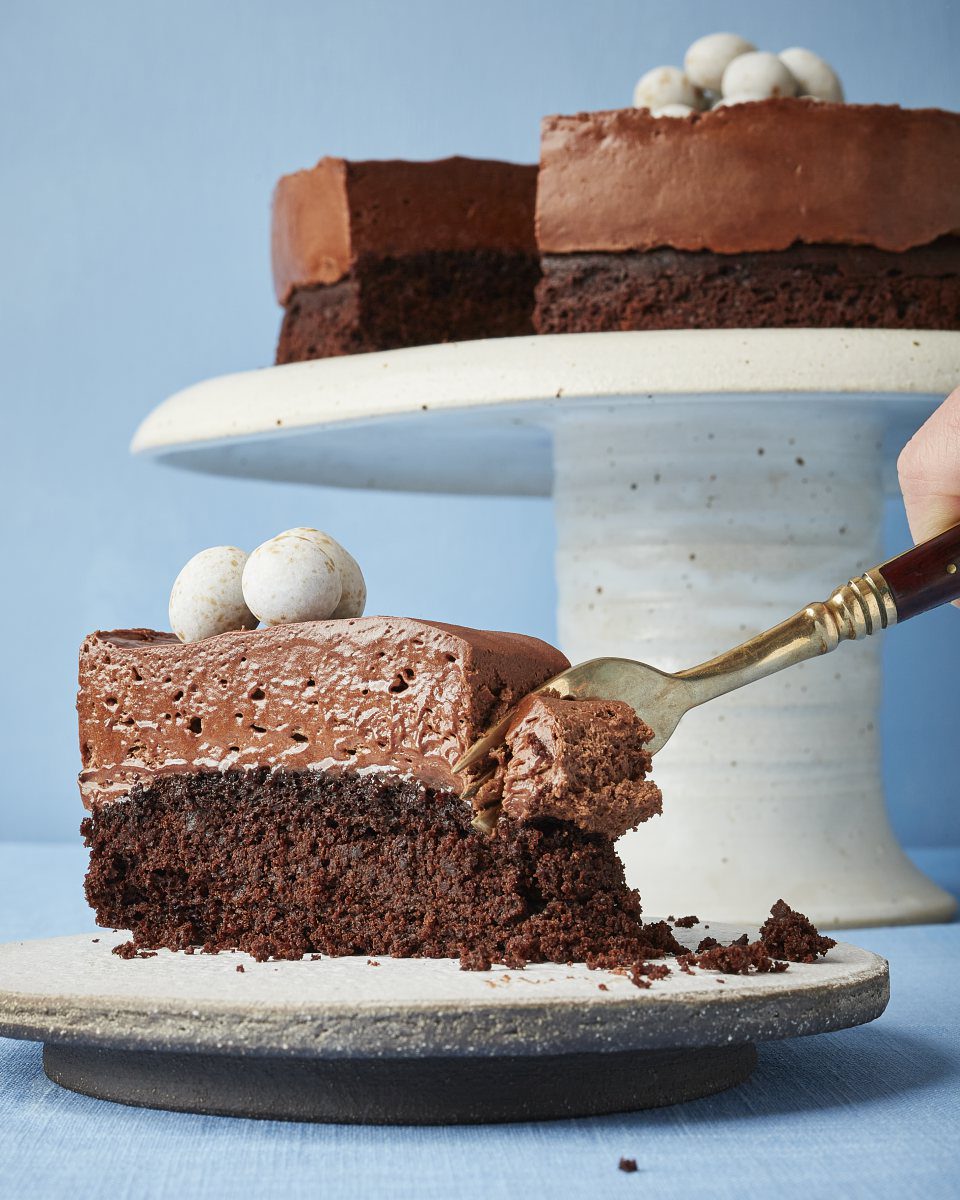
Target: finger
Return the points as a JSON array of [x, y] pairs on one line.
[[929, 471]]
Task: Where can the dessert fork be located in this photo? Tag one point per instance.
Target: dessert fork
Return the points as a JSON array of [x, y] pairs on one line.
[[912, 583]]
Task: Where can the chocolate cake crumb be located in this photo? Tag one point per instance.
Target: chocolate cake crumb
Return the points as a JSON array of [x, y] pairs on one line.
[[642, 974], [686, 922], [791, 935], [129, 951], [603, 987], [372, 962], [787, 936], [739, 959], [94, 939], [240, 968], [473, 960], [659, 936], [657, 942], [628, 1164]]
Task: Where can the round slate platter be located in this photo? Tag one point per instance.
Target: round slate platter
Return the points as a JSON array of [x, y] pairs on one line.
[[408, 1040]]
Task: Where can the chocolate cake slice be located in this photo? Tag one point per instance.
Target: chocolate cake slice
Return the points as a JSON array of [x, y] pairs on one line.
[[780, 212], [381, 255], [289, 791]]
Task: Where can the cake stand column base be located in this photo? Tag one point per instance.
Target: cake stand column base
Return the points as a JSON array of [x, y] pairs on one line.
[[402, 1091]]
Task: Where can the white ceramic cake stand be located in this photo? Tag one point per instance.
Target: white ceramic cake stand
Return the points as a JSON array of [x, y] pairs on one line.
[[706, 484]]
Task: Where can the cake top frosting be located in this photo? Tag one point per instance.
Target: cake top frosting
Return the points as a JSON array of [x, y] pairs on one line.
[[749, 177], [327, 217], [365, 692]]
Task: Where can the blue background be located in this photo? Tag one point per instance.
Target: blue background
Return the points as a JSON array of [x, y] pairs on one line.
[[139, 146]]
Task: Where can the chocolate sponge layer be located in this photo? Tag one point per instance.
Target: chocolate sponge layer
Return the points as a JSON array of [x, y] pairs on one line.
[[415, 300], [804, 286], [285, 863]]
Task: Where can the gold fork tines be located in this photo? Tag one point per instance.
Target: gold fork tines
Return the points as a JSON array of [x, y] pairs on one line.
[[486, 819], [483, 746], [480, 782]]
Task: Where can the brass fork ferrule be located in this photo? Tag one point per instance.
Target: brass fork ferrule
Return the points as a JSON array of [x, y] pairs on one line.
[[860, 608]]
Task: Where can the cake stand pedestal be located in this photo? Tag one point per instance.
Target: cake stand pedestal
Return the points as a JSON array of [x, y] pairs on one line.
[[706, 485]]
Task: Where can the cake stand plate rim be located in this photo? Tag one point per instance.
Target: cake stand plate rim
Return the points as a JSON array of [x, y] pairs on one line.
[[390, 419], [458, 1014]]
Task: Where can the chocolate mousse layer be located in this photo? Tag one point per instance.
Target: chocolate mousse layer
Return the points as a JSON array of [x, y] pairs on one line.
[[373, 692], [381, 255], [575, 760], [749, 177]]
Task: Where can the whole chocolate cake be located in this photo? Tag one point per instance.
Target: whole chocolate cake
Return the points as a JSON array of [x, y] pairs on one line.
[[775, 212], [288, 791], [380, 255]]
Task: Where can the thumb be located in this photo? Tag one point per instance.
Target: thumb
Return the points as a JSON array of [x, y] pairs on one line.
[[929, 471]]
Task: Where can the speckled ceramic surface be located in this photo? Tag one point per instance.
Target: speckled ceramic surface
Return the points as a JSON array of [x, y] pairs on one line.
[[409, 1039], [434, 418]]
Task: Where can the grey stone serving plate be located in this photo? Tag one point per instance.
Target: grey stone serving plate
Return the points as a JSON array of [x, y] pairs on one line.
[[408, 1041]]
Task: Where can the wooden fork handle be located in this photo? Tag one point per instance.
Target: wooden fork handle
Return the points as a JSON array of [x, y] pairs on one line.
[[926, 576]]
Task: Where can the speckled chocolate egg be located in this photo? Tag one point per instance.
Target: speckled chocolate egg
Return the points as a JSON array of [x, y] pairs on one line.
[[207, 596], [353, 595], [759, 75], [291, 578], [665, 85], [708, 57], [814, 77]]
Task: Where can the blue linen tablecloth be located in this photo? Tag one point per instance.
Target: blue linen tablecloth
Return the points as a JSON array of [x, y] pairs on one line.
[[869, 1112]]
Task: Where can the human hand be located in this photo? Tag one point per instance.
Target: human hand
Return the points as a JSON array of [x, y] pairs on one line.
[[929, 471]]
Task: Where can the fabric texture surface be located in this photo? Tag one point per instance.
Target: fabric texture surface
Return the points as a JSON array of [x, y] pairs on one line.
[[865, 1112]]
